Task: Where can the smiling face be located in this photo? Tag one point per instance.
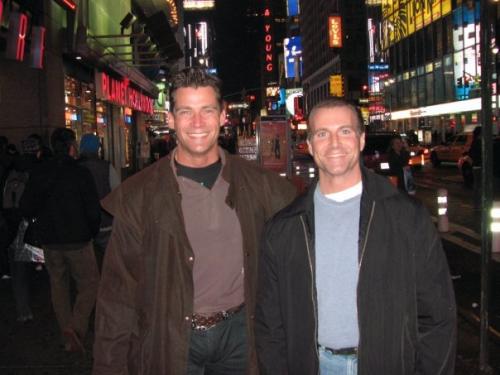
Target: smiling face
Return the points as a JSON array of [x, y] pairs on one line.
[[196, 118], [335, 143]]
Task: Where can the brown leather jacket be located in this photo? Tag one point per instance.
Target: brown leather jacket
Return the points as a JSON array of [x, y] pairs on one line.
[[145, 296]]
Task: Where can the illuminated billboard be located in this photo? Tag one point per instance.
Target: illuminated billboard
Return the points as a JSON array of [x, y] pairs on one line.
[[272, 91], [403, 18], [199, 4], [293, 102], [335, 31], [292, 7], [337, 85], [466, 51], [293, 56]]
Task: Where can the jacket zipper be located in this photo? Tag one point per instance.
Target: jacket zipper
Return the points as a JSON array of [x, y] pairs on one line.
[[365, 240], [312, 288]]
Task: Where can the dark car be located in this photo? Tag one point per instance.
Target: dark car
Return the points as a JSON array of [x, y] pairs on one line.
[[375, 151]]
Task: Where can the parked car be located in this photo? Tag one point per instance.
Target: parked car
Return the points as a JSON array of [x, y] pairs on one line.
[[451, 151], [374, 154], [377, 145]]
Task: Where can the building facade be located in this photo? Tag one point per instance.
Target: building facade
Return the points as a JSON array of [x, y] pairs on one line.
[[89, 65], [334, 49], [432, 54]]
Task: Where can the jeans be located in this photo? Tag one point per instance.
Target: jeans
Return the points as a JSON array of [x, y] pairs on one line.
[[220, 350], [335, 364]]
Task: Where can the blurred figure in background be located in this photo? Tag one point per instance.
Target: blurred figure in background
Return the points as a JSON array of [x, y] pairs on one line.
[[106, 179], [398, 158], [63, 198], [15, 185]]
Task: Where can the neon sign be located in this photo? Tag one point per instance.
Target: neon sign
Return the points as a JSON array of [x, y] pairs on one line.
[[18, 25], [1, 10], [335, 31], [37, 46], [120, 93], [268, 42], [68, 4]]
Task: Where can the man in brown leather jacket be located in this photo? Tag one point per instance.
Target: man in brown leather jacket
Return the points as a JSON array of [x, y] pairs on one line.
[[177, 292]]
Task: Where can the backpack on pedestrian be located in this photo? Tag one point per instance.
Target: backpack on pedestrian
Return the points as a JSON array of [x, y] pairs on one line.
[[14, 188]]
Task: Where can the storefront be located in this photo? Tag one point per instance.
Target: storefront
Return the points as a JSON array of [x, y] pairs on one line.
[[111, 107]]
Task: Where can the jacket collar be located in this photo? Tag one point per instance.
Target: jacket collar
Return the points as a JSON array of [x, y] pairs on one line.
[[375, 188]]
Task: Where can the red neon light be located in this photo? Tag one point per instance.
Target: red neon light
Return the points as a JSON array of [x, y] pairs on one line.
[[37, 46], [119, 92], [1, 10], [70, 4], [21, 39]]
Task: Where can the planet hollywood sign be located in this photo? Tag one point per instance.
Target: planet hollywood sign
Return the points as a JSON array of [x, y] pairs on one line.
[[120, 93]]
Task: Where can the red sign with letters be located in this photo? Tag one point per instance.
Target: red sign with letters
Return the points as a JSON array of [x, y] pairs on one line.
[[37, 46], [119, 92], [18, 25], [335, 31]]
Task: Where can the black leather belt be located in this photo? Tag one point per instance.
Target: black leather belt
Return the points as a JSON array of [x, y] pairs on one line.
[[342, 351]]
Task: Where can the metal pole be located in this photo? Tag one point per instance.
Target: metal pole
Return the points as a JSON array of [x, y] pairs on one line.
[[486, 177]]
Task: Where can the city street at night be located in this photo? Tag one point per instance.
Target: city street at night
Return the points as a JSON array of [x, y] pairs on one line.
[[156, 164]]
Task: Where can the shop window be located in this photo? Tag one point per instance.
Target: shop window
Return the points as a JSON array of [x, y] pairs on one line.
[[421, 91], [429, 45], [413, 51], [447, 36], [79, 100], [438, 84], [420, 47], [413, 92], [438, 39], [429, 84]]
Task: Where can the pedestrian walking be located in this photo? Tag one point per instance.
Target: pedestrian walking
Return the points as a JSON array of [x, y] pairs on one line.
[[352, 277], [178, 283], [106, 179], [62, 198], [15, 185], [398, 157]]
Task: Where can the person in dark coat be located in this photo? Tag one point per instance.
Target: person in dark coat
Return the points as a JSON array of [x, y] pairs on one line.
[[352, 275], [62, 196], [106, 179], [178, 284], [398, 158]]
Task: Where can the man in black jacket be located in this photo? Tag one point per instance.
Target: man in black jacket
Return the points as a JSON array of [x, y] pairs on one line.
[[352, 276], [62, 196]]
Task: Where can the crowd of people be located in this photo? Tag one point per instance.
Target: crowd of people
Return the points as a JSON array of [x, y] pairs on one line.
[[213, 265]]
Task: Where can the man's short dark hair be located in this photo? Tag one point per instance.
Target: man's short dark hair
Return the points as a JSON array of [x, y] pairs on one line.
[[337, 103], [194, 77], [61, 140]]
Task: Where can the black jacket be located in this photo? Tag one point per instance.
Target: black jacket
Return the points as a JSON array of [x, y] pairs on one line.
[[62, 195], [406, 304]]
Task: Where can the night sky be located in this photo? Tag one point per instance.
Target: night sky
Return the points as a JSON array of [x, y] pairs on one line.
[[237, 46]]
